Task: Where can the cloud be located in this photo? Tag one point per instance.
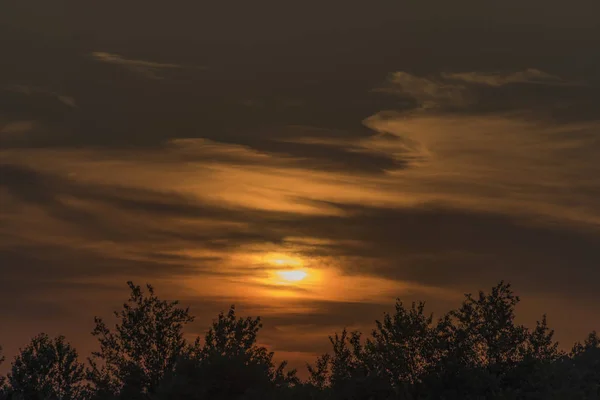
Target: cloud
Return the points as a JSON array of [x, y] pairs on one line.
[[421, 205], [69, 101], [502, 162], [462, 89], [302, 147], [428, 92], [40, 91], [529, 76], [149, 69], [16, 128], [477, 178], [480, 199], [72, 230]]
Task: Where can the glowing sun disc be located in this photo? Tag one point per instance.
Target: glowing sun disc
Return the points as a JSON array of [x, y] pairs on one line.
[[292, 275]]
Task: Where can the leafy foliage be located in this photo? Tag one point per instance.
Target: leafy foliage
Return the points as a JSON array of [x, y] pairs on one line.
[[142, 348], [474, 352], [229, 364], [477, 351], [2, 378], [47, 369]]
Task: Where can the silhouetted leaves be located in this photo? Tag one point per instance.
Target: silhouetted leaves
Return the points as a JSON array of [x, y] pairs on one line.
[[230, 364], [143, 346], [3, 388], [474, 352], [47, 369]]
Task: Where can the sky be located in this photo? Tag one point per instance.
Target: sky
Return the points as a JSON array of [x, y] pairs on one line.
[[307, 161]]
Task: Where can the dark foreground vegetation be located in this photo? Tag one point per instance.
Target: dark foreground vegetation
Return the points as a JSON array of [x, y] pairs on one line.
[[474, 352]]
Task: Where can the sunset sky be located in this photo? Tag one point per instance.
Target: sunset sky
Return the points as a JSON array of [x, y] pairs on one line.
[[309, 161]]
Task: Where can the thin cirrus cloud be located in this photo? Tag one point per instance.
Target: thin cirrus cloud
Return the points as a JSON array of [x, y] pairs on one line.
[[511, 162], [41, 91], [149, 69], [529, 76], [15, 128], [427, 92], [458, 89], [503, 164]]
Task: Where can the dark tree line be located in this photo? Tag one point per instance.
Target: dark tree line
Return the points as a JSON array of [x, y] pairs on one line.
[[474, 352]]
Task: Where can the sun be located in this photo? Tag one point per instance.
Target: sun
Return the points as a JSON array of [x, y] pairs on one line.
[[292, 275], [286, 269]]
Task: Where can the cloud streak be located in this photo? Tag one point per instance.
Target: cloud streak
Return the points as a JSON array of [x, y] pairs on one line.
[[148, 69], [31, 90], [460, 89], [16, 128], [496, 79], [428, 92]]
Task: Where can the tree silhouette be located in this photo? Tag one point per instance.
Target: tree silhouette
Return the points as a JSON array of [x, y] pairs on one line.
[[391, 363], [230, 364], [479, 344], [582, 374], [355, 372], [319, 374], [404, 347], [484, 332], [2, 378], [533, 375], [475, 352], [47, 369], [540, 343], [141, 349]]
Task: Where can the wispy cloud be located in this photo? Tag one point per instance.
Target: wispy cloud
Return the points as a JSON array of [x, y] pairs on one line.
[[149, 69], [501, 162], [33, 90], [529, 76], [16, 128], [428, 92], [459, 89]]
